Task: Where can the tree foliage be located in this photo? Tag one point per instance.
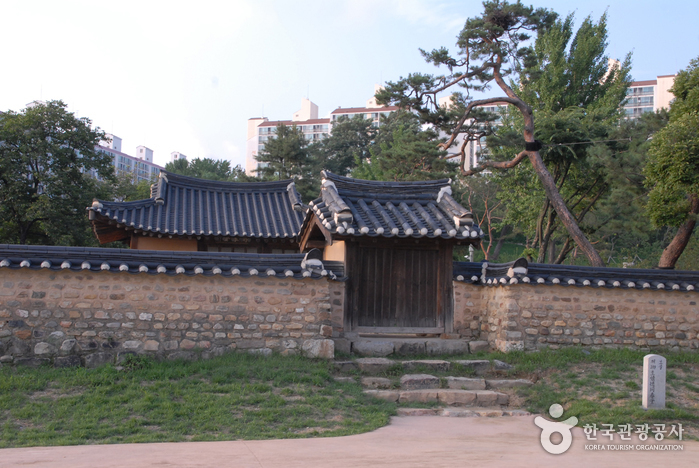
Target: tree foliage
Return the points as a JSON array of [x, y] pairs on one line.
[[350, 141], [576, 98], [673, 168], [45, 153], [491, 48], [207, 168], [287, 156], [404, 151]]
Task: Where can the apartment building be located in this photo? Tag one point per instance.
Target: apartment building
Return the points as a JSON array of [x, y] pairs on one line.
[[261, 129], [141, 166], [648, 96]]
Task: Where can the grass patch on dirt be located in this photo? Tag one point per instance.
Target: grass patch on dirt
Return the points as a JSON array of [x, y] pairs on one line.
[[604, 386], [597, 386], [236, 396]]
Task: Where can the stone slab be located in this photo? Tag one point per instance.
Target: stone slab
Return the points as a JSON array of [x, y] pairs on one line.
[[479, 366], [343, 345], [433, 364], [372, 347], [418, 382], [457, 397], [388, 395], [489, 413], [516, 413], [496, 384], [500, 365], [458, 413], [377, 383], [374, 365], [418, 396], [465, 383], [446, 347], [418, 411], [346, 366], [476, 346], [490, 398], [408, 347]]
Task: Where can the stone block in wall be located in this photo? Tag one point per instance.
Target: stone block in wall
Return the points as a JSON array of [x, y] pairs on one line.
[[476, 346], [506, 346], [323, 349], [67, 361], [343, 345], [372, 347], [98, 359]]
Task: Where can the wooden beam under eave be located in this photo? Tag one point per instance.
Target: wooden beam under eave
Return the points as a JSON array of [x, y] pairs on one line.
[[305, 236]]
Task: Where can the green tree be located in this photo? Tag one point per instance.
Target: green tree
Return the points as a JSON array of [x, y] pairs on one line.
[[45, 155], [576, 98], [673, 168], [207, 168], [491, 47], [403, 151], [126, 189], [350, 140], [287, 156]]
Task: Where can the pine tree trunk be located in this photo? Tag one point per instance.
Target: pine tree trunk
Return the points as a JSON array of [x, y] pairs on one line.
[[673, 251], [562, 210]]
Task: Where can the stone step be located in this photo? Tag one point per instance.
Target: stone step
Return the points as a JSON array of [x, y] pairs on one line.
[[377, 382], [481, 366], [460, 412], [466, 383], [433, 364], [446, 396], [419, 382], [381, 365], [374, 365]]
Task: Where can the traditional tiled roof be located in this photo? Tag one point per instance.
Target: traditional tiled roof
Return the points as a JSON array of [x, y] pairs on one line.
[[186, 206], [392, 209], [164, 262], [490, 274]]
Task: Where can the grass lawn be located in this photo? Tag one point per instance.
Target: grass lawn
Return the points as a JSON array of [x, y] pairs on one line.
[[245, 396], [236, 396]]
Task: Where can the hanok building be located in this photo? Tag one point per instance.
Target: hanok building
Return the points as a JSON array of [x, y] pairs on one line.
[[189, 214], [396, 241]]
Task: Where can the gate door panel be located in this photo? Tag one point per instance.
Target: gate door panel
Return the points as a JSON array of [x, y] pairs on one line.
[[397, 288]]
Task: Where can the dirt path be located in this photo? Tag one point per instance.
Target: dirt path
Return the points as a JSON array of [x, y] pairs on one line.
[[406, 442]]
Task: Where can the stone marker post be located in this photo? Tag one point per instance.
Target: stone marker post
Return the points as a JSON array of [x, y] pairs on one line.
[[654, 367]]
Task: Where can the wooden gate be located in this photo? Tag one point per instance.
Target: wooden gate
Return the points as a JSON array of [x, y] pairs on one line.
[[398, 290]]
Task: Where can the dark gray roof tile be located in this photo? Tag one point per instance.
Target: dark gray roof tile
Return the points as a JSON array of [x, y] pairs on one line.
[[163, 262], [186, 206], [568, 275], [402, 209]]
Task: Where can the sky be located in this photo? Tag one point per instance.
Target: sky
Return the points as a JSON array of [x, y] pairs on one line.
[[186, 76]]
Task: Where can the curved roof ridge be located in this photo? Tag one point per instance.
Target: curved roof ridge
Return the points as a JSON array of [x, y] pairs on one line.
[[179, 180], [343, 182]]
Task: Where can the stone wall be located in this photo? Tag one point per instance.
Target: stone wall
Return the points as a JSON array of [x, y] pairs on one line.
[[469, 310], [531, 317], [73, 318]]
